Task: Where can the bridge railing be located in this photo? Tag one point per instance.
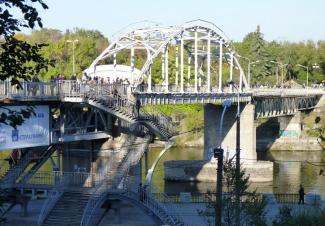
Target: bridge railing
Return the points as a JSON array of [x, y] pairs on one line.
[[53, 197], [288, 91], [115, 181], [59, 88]]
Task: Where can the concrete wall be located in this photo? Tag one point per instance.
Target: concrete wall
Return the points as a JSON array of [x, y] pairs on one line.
[[204, 170], [212, 114], [290, 126]]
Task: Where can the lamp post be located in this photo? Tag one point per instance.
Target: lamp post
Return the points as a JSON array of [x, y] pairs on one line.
[[249, 67], [218, 153], [281, 65], [306, 67], [73, 54]]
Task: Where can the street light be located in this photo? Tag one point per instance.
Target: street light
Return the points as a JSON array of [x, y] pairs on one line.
[[249, 67], [306, 67], [73, 55], [218, 153], [237, 172], [281, 65]]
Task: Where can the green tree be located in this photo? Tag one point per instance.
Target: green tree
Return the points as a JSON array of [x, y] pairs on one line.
[[252, 206], [259, 53], [19, 60]]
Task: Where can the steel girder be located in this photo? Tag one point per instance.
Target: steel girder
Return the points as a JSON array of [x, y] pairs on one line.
[[278, 106], [75, 121]]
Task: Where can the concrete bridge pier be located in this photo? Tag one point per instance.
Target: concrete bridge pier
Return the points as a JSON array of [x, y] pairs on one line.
[[290, 126], [259, 171], [212, 115]]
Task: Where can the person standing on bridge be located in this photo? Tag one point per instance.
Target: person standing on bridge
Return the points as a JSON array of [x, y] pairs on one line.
[[137, 107], [301, 195]]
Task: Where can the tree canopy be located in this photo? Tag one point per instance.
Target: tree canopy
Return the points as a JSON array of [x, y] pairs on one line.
[[19, 59]]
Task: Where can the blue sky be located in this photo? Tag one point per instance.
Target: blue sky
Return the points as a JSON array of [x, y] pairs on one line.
[[293, 20]]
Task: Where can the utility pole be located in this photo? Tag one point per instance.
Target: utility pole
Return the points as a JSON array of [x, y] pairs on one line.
[[218, 153], [237, 170]]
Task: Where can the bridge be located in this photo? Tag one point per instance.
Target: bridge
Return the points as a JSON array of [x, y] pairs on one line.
[[101, 112]]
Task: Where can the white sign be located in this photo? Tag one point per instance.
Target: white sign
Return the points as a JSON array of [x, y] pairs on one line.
[[33, 132]]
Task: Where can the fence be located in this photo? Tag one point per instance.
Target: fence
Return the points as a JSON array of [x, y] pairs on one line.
[[284, 198]]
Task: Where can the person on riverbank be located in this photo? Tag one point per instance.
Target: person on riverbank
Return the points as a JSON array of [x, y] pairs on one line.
[[301, 195]]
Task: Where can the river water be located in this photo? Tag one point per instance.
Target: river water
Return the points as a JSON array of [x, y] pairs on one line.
[[291, 168]]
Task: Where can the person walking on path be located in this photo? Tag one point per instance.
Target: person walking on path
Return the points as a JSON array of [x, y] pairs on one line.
[[301, 195]]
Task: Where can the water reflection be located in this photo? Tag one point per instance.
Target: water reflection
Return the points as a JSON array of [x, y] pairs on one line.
[[291, 168]]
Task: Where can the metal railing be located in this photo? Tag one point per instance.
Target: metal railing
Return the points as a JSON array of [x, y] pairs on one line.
[[71, 179], [287, 198], [53, 197], [61, 180], [113, 182]]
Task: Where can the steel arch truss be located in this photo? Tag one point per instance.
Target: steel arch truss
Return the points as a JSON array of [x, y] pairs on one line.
[[200, 50], [279, 106]]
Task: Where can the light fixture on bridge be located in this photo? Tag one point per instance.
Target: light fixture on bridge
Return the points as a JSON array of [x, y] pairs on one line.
[[73, 55], [305, 67]]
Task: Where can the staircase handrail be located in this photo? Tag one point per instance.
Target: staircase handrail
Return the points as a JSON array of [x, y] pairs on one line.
[[101, 191], [50, 202], [129, 107], [165, 200]]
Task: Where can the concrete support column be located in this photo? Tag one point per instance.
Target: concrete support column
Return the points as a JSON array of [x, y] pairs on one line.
[[212, 114], [290, 126]]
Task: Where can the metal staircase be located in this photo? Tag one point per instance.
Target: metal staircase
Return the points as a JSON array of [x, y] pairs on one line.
[[68, 210], [16, 173], [100, 194], [125, 109], [62, 202], [160, 212]]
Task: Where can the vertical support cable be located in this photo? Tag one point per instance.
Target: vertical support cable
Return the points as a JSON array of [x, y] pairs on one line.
[[195, 63], [149, 72], [163, 64], [176, 65], [241, 74], [132, 65], [182, 65], [188, 71], [231, 70], [166, 70], [209, 64], [220, 65], [114, 60]]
